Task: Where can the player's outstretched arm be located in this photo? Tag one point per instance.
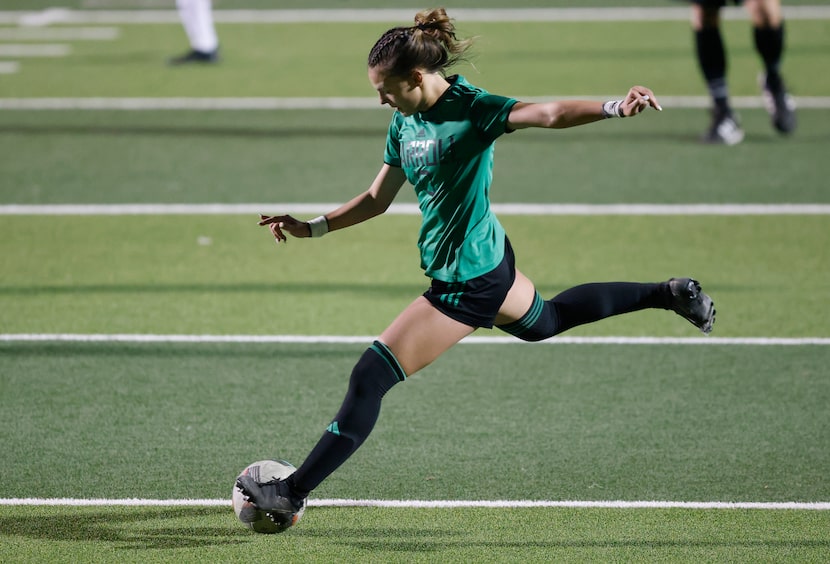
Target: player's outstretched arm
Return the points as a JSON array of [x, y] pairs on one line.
[[570, 113], [366, 205]]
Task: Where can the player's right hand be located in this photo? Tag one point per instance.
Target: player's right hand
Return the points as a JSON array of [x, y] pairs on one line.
[[280, 224], [638, 99]]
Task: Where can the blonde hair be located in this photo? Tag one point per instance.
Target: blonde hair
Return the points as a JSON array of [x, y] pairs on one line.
[[430, 44]]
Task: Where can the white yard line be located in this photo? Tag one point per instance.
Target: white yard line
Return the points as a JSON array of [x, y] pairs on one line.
[[259, 103], [349, 339], [420, 504], [412, 209], [9, 67], [25, 50], [334, 103], [59, 33], [680, 13], [89, 4]]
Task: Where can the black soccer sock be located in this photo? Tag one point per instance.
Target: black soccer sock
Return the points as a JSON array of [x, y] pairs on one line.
[[585, 304], [769, 42], [711, 56], [373, 375]]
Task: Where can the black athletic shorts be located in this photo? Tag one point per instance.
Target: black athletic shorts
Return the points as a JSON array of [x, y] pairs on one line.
[[476, 302]]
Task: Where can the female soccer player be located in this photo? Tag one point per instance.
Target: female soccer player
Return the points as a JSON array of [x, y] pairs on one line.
[[441, 140]]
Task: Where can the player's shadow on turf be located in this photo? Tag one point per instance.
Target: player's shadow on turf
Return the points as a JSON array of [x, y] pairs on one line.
[[122, 527]]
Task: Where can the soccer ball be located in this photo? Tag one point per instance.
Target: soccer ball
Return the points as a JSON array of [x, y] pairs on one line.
[[253, 518]]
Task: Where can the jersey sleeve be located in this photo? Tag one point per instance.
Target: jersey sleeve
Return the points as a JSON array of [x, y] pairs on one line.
[[392, 153], [489, 113]]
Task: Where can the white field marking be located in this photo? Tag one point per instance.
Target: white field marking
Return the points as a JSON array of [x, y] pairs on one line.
[[412, 209], [393, 16], [44, 50], [41, 18], [422, 504], [337, 103], [87, 4], [9, 67], [59, 34], [201, 104], [349, 339]]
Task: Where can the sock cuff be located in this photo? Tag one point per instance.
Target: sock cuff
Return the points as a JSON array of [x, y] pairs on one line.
[[389, 357], [528, 320]]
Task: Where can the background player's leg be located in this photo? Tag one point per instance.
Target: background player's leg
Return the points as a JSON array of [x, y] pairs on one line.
[[710, 51], [197, 19], [768, 34]]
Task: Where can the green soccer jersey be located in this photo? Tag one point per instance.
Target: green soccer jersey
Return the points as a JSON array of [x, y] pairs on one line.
[[447, 155]]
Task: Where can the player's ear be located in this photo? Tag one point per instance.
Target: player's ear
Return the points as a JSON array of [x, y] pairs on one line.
[[416, 78]]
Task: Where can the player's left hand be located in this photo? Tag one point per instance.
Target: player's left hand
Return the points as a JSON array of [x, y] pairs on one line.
[[638, 99]]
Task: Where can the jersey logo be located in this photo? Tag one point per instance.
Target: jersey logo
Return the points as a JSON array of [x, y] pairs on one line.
[[422, 152]]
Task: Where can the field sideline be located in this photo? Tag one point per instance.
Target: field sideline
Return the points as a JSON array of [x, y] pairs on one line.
[[412, 209], [347, 339], [430, 504], [331, 103]]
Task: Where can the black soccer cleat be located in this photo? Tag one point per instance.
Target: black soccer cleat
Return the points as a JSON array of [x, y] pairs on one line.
[[689, 302], [195, 57], [273, 497], [779, 104]]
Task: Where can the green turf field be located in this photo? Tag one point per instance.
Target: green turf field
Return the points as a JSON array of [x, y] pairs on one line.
[[237, 157], [151, 274], [431, 535], [718, 422], [552, 58], [343, 4]]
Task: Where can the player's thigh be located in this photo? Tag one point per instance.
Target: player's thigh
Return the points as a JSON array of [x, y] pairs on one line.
[[706, 14], [764, 13], [420, 334], [518, 300]]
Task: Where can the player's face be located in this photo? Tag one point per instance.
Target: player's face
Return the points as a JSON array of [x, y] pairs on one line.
[[400, 92]]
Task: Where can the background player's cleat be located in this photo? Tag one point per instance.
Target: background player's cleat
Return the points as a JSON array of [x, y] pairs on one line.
[[274, 497], [689, 302], [724, 129], [779, 104], [194, 56]]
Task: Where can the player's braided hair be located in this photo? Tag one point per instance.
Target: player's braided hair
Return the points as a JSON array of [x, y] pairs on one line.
[[430, 44]]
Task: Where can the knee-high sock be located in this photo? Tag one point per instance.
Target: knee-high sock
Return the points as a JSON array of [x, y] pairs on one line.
[[769, 42], [197, 20], [374, 374], [711, 57], [585, 304]]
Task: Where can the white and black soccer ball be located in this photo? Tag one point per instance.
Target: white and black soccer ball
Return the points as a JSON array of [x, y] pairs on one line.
[[253, 518]]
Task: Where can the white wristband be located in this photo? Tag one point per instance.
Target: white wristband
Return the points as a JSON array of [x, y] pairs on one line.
[[612, 108], [318, 226]]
